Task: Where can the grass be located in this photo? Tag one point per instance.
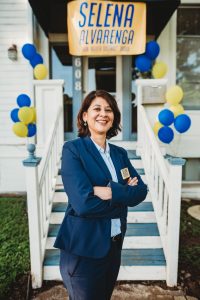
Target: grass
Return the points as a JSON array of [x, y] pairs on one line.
[[14, 244], [189, 248]]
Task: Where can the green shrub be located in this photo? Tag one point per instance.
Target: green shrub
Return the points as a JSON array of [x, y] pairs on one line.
[[189, 249], [14, 244]]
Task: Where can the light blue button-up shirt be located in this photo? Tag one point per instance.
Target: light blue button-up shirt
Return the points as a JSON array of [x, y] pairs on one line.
[[115, 223]]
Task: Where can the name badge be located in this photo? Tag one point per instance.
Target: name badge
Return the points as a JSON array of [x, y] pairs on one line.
[[125, 173]]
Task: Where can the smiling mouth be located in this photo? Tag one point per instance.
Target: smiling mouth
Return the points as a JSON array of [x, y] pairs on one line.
[[104, 122]]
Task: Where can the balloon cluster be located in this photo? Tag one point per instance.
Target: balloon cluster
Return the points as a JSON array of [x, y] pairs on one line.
[[146, 62], [173, 115], [29, 52], [24, 117]]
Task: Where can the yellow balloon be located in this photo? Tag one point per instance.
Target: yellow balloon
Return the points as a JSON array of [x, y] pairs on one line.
[[40, 71], [156, 127], [174, 95], [25, 114], [177, 109], [34, 114], [159, 70], [20, 129]]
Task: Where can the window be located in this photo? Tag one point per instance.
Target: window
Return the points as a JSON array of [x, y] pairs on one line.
[[188, 54], [105, 72]]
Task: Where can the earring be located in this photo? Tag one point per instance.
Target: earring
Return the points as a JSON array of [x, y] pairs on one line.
[[85, 123]]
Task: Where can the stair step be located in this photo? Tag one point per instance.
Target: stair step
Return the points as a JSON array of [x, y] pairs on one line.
[[134, 229], [143, 176], [135, 273], [130, 257], [133, 217], [143, 206], [138, 235], [130, 242], [139, 170], [142, 229], [136, 264], [132, 155], [61, 196], [137, 164], [125, 144]]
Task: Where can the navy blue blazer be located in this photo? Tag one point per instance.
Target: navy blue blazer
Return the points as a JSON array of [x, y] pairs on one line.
[[86, 227]]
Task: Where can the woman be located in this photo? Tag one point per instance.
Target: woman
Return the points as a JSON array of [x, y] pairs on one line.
[[100, 183]]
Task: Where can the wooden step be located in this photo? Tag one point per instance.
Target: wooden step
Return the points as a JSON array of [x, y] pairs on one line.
[[132, 155], [133, 217], [136, 164], [130, 242], [139, 170], [136, 264], [136, 229], [61, 196], [128, 145], [138, 235], [143, 206]]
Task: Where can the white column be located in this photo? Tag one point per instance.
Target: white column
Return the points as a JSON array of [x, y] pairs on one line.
[[85, 76], [34, 220], [48, 99], [173, 227], [119, 91]]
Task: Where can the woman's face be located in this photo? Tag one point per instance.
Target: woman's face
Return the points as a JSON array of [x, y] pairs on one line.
[[99, 116]]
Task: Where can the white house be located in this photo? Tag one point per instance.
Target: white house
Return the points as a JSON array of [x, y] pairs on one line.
[[69, 79]]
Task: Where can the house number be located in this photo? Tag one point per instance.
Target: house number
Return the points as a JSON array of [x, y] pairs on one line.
[[77, 73]]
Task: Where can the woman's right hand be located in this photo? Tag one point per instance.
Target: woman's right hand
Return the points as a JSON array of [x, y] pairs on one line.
[[103, 192], [132, 181]]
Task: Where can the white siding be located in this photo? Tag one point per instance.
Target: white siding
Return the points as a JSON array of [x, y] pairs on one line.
[[186, 144], [15, 76], [16, 27], [42, 43]]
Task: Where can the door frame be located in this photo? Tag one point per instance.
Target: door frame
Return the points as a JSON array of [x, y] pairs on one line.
[[123, 92]]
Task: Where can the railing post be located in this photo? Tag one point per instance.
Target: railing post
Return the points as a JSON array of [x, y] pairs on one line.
[[173, 227], [31, 164], [48, 100]]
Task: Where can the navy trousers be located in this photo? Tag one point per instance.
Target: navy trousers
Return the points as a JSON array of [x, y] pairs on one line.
[[89, 278]]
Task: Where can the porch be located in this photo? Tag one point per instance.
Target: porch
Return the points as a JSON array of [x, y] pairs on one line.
[[150, 250]]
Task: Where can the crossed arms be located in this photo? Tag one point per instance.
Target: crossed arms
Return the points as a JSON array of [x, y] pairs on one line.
[[88, 200]]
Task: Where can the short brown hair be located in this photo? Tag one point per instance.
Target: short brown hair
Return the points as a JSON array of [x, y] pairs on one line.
[[84, 130]]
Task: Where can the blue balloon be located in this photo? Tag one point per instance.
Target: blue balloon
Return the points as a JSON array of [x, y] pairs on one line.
[[166, 134], [152, 50], [23, 100], [31, 130], [36, 59], [28, 51], [166, 117], [14, 115], [143, 63], [182, 123]]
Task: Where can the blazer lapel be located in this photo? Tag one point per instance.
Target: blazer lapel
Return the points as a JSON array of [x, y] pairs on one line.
[[97, 156], [117, 161]]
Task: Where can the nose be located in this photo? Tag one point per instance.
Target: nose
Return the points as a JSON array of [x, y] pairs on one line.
[[103, 112]]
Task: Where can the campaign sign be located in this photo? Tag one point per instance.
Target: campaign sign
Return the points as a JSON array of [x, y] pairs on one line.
[[106, 28]]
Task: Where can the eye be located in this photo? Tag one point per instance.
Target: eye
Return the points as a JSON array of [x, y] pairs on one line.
[[109, 110]]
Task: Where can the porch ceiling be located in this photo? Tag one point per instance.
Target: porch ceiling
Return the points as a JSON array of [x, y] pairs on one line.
[[52, 15]]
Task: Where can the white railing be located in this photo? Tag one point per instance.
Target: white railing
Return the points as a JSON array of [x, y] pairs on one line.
[[41, 182], [164, 180]]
